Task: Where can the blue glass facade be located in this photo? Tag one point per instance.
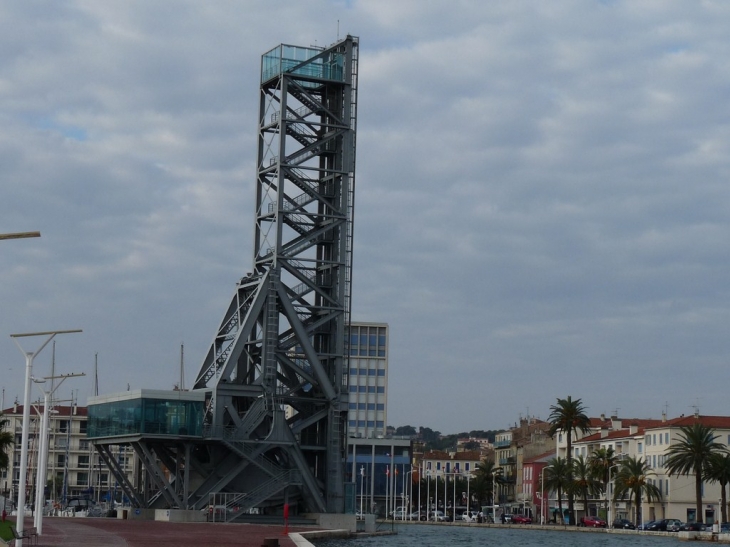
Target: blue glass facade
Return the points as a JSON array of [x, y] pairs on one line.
[[140, 415]]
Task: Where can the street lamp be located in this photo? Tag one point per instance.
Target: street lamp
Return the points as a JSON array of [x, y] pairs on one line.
[[41, 472], [494, 491], [362, 484], [612, 487], [20, 235], [408, 496], [29, 356], [542, 495]]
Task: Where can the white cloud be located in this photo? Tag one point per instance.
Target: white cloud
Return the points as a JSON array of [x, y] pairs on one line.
[[542, 194]]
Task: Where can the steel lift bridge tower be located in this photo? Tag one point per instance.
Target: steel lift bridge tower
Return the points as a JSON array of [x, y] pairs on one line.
[[274, 380]]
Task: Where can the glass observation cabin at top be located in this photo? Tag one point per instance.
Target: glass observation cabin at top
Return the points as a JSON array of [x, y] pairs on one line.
[[304, 61], [146, 412]]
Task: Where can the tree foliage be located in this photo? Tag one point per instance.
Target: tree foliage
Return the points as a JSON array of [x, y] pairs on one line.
[[6, 442], [632, 480], [568, 416], [691, 454]]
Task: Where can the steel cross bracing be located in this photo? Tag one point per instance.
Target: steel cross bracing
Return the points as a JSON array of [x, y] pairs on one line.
[[274, 377], [281, 344]]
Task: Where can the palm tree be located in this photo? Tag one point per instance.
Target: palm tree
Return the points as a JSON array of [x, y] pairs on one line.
[[6, 441], [584, 481], [485, 474], [691, 454], [633, 479], [558, 478], [718, 470], [568, 416], [601, 462]]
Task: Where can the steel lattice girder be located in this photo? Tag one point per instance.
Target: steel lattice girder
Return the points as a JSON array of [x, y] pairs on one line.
[[281, 343]]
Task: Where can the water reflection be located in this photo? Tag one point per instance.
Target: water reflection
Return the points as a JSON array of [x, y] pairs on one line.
[[463, 536]]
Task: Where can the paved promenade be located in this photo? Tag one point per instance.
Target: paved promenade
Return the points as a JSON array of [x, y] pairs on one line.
[[105, 532]]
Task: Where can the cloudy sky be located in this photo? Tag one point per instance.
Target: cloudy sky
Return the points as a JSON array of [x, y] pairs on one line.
[[542, 198]]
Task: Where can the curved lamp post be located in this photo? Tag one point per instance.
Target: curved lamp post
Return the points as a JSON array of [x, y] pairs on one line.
[[20, 235], [29, 356]]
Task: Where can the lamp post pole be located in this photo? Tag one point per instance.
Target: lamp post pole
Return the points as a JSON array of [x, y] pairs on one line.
[[542, 495], [29, 356], [610, 486], [20, 235], [494, 497], [41, 472], [453, 504], [468, 494], [362, 486]]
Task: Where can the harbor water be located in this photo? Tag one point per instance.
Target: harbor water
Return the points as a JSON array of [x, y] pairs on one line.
[[462, 536]]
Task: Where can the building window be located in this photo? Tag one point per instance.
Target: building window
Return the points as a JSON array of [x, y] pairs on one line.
[[84, 461], [371, 423], [380, 406], [666, 438], [353, 389], [82, 479], [82, 427], [63, 426], [379, 423], [361, 389], [381, 372], [648, 440], [353, 423], [639, 447], [371, 406], [353, 371], [381, 389], [361, 406], [353, 406], [372, 372]]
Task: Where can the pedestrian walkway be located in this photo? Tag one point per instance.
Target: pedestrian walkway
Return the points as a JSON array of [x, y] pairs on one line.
[[107, 532]]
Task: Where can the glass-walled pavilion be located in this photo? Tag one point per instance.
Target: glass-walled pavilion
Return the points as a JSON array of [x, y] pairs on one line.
[[146, 412]]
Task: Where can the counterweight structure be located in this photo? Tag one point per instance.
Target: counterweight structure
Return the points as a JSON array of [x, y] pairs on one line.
[[273, 385]]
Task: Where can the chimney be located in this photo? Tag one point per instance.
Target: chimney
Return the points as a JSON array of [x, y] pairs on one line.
[[633, 429], [15, 406], [615, 423], [604, 432], [664, 417], [603, 417], [75, 407]]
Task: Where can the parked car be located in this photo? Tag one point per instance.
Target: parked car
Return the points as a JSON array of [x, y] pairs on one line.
[[399, 514], [470, 516], [645, 525], [675, 525], [521, 519], [692, 527], [592, 522], [437, 516], [417, 515], [659, 525], [624, 524], [725, 528]]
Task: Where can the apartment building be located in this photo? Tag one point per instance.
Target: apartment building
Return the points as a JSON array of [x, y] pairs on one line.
[[74, 469], [649, 439]]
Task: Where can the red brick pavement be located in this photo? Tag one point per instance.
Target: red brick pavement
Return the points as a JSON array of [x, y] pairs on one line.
[[103, 532]]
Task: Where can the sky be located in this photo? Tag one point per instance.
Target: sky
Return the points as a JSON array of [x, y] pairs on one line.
[[542, 205]]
